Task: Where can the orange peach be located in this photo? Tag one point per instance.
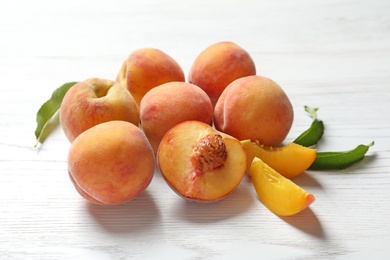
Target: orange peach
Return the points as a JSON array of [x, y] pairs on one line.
[[199, 163], [171, 103], [147, 68], [94, 101], [255, 108], [218, 65], [111, 163]]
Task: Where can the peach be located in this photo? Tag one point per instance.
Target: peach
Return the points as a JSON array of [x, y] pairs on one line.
[[111, 163], [289, 160], [199, 163], [171, 103], [147, 68], [218, 65], [255, 108], [94, 101], [279, 194]]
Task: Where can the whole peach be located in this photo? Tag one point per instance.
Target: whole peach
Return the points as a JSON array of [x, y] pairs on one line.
[[94, 101], [256, 108], [170, 104], [218, 65], [111, 163], [147, 68]]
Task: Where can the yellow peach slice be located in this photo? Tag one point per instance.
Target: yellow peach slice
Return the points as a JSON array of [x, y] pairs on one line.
[[279, 194], [249, 150], [290, 160]]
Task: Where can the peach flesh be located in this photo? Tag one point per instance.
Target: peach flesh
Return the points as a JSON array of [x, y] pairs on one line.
[[289, 160], [278, 193], [199, 163]]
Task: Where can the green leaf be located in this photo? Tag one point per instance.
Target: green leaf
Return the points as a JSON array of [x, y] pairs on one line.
[[339, 160], [47, 115], [314, 133]]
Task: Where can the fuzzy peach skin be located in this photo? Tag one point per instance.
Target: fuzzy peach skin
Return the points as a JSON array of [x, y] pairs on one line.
[[218, 65], [255, 108], [94, 101], [147, 68], [111, 163], [171, 103]]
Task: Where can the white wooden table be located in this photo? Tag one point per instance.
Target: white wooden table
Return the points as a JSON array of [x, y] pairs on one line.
[[334, 55]]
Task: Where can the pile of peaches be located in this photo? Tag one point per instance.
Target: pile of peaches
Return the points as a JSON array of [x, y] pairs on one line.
[[202, 135]]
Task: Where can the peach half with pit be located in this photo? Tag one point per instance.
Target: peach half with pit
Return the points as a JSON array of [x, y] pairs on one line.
[[111, 163], [146, 68], [199, 163], [218, 65], [94, 101], [278, 193], [256, 108]]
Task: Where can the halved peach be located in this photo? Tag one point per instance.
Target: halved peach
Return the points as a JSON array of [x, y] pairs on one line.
[[278, 193], [290, 160], [199, 163]]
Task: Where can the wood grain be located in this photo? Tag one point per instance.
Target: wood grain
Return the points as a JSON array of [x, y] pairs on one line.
[[334, 55]]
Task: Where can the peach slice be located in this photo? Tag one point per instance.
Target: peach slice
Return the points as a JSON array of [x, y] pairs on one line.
[[200, 163], [278, 193], [290, 160]]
